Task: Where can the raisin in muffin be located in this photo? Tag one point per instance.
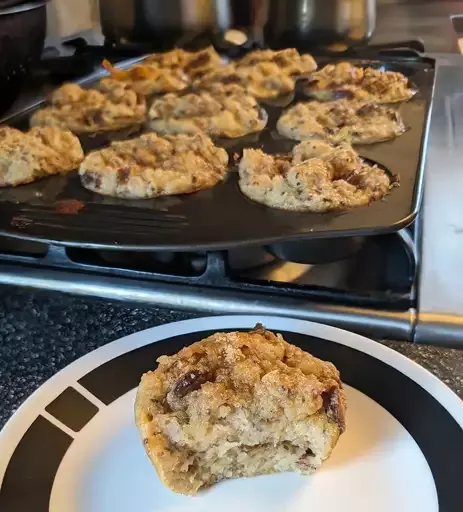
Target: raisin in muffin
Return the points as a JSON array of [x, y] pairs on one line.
[[238, 404]]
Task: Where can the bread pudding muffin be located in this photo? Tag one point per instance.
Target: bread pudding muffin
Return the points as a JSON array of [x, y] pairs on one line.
[[238, 404]]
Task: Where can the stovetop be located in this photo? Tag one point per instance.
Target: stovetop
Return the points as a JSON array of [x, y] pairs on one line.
[[374, 291]]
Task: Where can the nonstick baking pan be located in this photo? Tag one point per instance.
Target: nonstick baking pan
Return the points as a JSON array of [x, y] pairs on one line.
[[59, 210]]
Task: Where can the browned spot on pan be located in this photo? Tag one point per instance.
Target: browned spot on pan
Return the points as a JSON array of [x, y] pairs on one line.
[[69, 206]]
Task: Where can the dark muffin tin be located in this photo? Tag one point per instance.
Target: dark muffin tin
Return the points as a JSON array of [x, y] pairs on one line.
[[59, 210]]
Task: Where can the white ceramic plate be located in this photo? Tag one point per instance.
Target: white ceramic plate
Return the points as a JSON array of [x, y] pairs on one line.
[[73, 445]]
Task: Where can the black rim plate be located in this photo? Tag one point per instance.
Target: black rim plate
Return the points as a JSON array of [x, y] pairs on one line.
[[39, 436]]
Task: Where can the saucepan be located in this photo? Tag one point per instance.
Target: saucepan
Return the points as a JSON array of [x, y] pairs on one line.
[[156, 20], [22, 38], [306, 23], [287, 22]]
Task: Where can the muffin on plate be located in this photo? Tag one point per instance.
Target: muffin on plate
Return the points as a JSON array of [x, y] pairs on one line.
[[238, 404]]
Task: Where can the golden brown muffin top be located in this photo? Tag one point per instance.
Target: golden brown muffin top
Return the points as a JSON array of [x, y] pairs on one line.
[[256, 369]]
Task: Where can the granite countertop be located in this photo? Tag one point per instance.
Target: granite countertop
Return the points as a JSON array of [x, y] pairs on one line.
[[42, 332]]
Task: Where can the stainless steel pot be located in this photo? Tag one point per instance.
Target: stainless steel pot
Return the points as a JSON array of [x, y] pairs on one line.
[[147, 20], [22, 37], [287, 22], [304, 22]]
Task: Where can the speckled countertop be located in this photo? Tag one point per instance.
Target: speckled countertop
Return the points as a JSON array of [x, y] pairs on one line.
[[40, 333]]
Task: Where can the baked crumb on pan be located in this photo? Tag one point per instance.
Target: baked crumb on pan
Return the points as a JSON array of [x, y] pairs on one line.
[[40, 152], [317, 177], [238, 404], [151, 166], [80, 110]]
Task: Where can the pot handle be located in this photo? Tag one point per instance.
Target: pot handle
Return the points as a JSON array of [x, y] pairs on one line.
[[411, 44]]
